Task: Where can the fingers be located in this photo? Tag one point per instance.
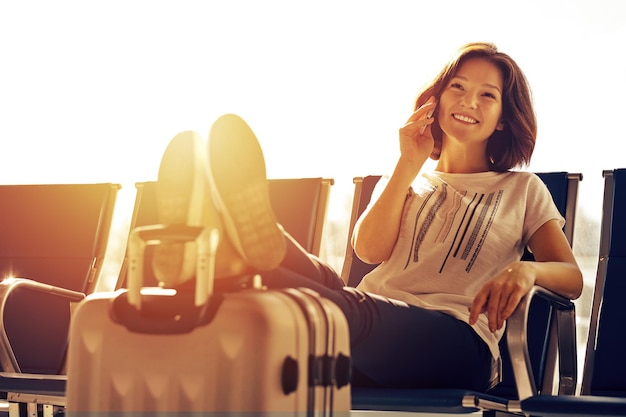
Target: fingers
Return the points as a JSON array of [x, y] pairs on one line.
[[510, 306], [419, 124], [429, 115], [494, 312], [499, 297], [478, 306], [425, 111], [416, 140], [419, 121], [498, 302], [487, 301]]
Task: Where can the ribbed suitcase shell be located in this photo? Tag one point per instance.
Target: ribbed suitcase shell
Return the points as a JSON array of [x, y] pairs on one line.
[[329, 363], [234, 363]]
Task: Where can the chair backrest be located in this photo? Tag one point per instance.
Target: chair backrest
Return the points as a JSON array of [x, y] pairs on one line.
[[51, 235], [564, 189], [355, 269], [300, 204], [604, 371], [55, 233]]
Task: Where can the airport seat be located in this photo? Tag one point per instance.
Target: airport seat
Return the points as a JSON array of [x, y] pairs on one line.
[[56, 233], [54, 238], [535, 337], [603, 384], [300, 205]]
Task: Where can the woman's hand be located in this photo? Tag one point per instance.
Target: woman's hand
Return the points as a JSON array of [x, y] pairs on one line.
[[500, 296], [554, 268], [416, 140]]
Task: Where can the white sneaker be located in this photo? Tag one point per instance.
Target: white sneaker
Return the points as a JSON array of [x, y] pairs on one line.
[[183, 198], [240, 192]]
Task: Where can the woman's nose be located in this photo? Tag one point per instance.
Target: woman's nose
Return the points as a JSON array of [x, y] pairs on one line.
[[468, 100]]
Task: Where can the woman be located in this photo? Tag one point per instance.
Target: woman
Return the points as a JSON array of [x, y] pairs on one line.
[[449, 241]]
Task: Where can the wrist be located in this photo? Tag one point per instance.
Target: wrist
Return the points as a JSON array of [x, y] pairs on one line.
[[409, 166], [525, 269]]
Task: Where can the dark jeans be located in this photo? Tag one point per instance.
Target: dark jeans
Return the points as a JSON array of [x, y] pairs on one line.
[[392, 344]]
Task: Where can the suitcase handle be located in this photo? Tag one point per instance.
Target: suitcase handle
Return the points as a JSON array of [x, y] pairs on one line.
[[206, 241], [163, 312]]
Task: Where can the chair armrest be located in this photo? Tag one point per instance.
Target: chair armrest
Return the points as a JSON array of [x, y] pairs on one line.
[[32, 391], [8, 360], [562, 337], [36, 384]]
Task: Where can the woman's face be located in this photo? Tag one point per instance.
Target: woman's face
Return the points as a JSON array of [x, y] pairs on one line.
[[470, 106]]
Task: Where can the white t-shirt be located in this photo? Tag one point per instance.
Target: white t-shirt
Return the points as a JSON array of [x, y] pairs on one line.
[[457, 232]]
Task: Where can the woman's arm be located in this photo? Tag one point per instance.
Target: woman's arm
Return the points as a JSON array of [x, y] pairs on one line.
[[554, 268], [376, 231]]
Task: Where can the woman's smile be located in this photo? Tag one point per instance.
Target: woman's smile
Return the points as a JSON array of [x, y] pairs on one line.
[[464, 118]]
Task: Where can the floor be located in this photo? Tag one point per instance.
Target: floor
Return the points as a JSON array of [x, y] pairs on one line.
[[4, 412], [403, 414]]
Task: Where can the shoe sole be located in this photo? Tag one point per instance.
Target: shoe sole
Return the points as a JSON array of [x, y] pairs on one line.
[[180, 187], [241, 191], [181, 190]]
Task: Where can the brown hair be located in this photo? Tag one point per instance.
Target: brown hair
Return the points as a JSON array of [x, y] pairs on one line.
[[514, 145]]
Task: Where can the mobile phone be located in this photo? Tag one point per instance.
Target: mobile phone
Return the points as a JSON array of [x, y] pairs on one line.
[[428, 116]]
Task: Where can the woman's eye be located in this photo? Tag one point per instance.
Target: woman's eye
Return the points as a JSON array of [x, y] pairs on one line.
[[456, 85], [490, 95]]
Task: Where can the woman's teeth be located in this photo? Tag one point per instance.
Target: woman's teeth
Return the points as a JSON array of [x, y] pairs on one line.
[[465, 118]]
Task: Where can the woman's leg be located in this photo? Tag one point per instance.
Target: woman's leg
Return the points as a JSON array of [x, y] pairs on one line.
[[411, 347], [393, 344]]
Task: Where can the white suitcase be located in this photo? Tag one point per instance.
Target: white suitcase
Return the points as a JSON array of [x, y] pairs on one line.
[[245, 353]]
